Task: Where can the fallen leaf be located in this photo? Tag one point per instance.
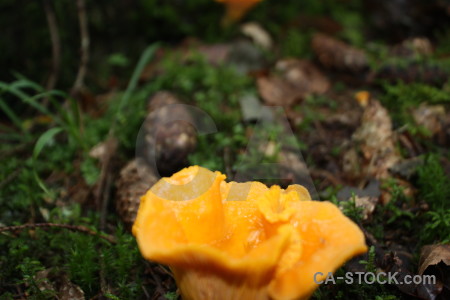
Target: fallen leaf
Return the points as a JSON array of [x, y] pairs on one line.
[[296, 79], [104, 150], [70, 291], [303, 75], [368, 205], [412, 47], [258, 34], [407, 189], [275, 91], [42, 279], [435, 261], [430, 117], [432, 255], [399, 260], [335, 54], [373, 150]]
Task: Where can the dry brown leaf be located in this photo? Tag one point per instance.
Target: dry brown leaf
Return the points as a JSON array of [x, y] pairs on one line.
[[407, 189], [277, 92], [399, 260], [431, 255], [335, 54], [214, 54], [430, 117], [373, 151], [70, 291], [296, 80], [104, 150], [367, 204], [258, 34], [42, 279], [351, 164], [413, 46], [303, 75], [435, 260]]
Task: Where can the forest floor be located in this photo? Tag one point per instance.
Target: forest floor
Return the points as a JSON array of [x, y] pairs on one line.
[[362, 122]]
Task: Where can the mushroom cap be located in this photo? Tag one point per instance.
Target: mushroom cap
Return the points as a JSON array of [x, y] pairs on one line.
[[242, 240], [236, 9]]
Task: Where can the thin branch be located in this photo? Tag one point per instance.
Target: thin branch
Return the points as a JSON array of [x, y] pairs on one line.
[[157, 280], [56, 45], [335, 181], [105, 199], [84, 35], [79, 228]]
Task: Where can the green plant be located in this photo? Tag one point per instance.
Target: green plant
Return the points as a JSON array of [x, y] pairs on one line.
[[370, 262], [122, 264], [434, 183], [350, 209], [393, 209], [321, 100], [171, 296], [401, 97], [215, 90], [29, 269], [437, 227], [394, 214], [82, 262], [296, 44], [434, 187]]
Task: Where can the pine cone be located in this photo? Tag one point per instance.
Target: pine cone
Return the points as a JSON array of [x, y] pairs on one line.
[[338, 55], [132, 184], [168, 143]]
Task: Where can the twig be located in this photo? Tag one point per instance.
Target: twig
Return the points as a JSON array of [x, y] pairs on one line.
[[105, 199], [56, 46], [147, 296], [159, 289], [103, 191], [335, 181], [78, 228], [84, 34], [103, 286]]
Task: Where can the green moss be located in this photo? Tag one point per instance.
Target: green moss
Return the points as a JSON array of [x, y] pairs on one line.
[[297, 43], [434, 187], [400, 98]]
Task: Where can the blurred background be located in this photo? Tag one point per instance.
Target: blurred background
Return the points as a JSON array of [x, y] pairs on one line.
[[362, 96]]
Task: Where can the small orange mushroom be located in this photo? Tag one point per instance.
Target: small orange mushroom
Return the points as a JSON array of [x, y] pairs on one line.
[[242, 240], [236, 9]]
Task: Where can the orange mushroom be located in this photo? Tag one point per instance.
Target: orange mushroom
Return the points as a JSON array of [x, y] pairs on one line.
[[236, 9], [242, 240]]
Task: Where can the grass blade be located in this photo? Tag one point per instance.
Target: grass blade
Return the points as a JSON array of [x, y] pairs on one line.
[[41, 142], [44, 139], [12, 116], [145, 58]]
